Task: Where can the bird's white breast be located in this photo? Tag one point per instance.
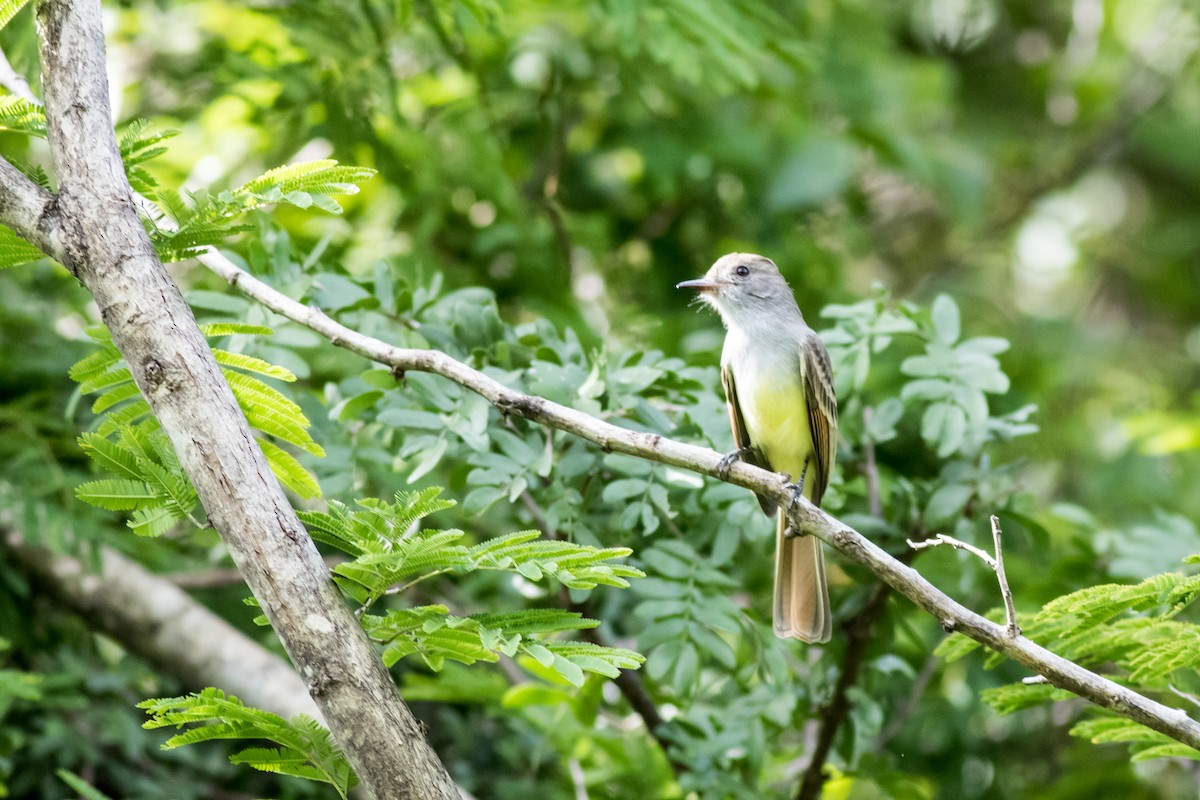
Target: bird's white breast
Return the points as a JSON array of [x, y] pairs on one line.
[[770, 389]]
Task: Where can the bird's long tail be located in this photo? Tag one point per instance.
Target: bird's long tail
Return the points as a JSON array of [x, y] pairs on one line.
[[801, 597]]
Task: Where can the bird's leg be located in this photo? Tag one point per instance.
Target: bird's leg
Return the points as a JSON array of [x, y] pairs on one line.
[[797, 490], [724, 465]]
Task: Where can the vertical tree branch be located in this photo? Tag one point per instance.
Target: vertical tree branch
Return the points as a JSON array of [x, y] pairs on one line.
[[858, 637], [105, 246], [871, 469], [1010, 610], [858, 630], [836, 711], [628, 681]]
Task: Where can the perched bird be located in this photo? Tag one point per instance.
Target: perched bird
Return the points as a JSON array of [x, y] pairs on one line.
[[779, 388]]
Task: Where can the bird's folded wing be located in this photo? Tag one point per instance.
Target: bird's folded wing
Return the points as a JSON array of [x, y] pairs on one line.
[[821, 399], [741, 436]]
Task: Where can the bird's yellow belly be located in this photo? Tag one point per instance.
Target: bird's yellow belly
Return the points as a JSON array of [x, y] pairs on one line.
[[777, 420]]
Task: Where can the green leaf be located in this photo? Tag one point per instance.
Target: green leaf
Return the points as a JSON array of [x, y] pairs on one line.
[[152, 521], [15, 251], [280, 761], [623, 489], [667, 564], [112, 456], [884, 418], [1166, 750], [524, 695], [271, 412], [713, 644], [251, 364], [411, 418], [94, 364], [289, 471], [323, 177], [947, 326], [353, 407], [1019, 696], [17, 114], [216, 329], [304, 748], [84, 789], [115, 376], [946, 503], [115, 396], [429, 459], [117, 495], [954, 647], [150, 480], [944, 425], [569, 670], [687, 669]]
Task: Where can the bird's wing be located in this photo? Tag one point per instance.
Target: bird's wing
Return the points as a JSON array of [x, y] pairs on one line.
[[821, 399], [741, 436]]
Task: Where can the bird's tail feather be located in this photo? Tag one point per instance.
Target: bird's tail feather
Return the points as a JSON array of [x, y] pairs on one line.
[[801, 608]]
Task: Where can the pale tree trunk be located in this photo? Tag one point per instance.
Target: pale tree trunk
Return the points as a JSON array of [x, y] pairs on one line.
[[92, 227]]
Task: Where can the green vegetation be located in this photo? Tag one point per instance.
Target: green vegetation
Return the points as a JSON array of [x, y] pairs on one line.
[[988, 210]]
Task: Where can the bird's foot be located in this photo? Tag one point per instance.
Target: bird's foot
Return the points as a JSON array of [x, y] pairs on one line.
[[726, 463], [797, 488]]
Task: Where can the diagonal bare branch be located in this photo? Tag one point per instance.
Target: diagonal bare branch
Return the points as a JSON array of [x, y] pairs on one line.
[[30, 210], [15, 82], [804, 516], [158, 622]]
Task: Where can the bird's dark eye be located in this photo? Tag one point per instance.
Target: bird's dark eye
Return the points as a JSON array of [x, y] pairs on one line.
[[742, 270]]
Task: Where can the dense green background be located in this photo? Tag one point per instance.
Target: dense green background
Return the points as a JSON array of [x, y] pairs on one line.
[[1036, 161]]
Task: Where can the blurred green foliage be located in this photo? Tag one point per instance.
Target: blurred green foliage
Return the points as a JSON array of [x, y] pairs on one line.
[[1020, 176]]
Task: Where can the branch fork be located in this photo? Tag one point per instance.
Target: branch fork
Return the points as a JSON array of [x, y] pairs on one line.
[[995, 562]]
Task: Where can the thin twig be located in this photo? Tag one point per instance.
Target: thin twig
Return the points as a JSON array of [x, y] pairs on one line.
[[1191, 698], [833, 715], [206, 578], [1010, 611], [578, 779], [957, 544], [803, 515], [912, 701], [996, 563], [628, 682]]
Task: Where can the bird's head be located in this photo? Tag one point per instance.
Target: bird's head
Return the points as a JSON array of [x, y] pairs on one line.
[[741, 285]]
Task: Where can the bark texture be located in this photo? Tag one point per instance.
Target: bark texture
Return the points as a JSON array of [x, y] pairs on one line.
[[101, 240]]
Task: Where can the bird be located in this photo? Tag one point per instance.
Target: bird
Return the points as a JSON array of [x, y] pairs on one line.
[[778, 383]]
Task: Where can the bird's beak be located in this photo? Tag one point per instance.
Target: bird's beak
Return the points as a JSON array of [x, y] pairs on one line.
[[699, 284]]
